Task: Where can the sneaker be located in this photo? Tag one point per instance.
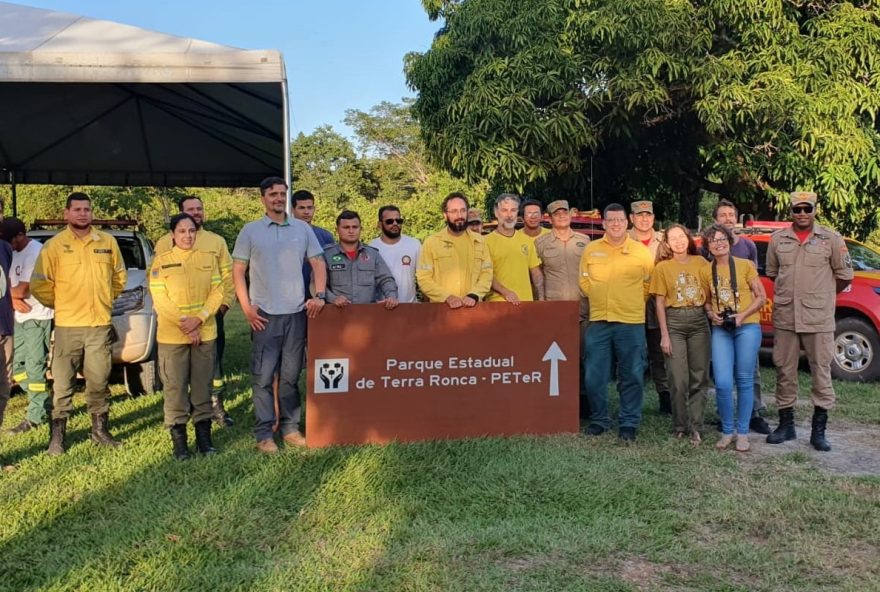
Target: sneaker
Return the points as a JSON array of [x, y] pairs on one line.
[[759, 425], [596, 430], [267, 446], [294, 439], [24, 426], [627, 434]]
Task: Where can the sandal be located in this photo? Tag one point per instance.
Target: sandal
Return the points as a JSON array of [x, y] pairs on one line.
[[696, 440], [742, 444], [678, 435], [724, 442]]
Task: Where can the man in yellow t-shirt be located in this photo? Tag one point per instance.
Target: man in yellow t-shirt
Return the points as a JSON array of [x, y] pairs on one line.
[[514, 259], [532, 217], [615, 275], [454, 265]]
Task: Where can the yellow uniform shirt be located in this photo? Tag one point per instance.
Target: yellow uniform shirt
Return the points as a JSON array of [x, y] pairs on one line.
[[442, 272], [544, 230], [722, 296], [215, 244], [616, 280], [185, 283], [79, 278], [512, 258], [679, 282]]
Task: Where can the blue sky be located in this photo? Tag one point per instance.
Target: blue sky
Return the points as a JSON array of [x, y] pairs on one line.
[[340, 54]]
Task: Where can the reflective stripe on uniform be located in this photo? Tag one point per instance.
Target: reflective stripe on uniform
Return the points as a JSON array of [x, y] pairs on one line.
[[217, 383], [37, 387], [20, 377]]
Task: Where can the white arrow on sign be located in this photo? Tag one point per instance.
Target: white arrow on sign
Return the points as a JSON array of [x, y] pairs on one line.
[[553, 355]]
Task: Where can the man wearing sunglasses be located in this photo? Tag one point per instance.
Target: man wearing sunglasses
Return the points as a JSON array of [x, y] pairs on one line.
[[810, 265], [399, 251]]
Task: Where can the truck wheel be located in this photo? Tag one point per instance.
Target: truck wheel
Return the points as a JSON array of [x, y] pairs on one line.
[[143, 378], [856, 350]]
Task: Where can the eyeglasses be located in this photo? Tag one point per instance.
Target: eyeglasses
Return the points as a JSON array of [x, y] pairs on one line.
[[532, 215], [721, 240], [456, 211], [475, 222], [802, 209], [390, 221]]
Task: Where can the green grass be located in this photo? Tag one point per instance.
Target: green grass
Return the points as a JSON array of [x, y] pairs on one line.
[[525, 513]]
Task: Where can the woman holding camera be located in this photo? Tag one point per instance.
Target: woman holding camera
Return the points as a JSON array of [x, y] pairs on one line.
[[734, 297], [684, 334], [187, 291]]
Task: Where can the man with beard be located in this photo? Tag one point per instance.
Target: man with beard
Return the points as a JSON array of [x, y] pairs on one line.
[[356, 273], [275, 307], [454, 264], [399, 251], [79, 273], [209, 242], [615, 276], [516, 267], [560, 253], [810, 265]]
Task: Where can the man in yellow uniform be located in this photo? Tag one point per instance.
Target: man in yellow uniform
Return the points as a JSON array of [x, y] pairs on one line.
[[615, 276], [209, 242], [79, 273], [532, 217], [810, 265], [454, 264], [516, 268]]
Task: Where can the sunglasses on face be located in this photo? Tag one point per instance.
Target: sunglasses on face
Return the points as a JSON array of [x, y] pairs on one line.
[[802, 209], [474, 223], [391, 221]]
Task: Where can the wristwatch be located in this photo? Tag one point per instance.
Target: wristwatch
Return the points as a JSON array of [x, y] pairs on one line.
[[320, 295]]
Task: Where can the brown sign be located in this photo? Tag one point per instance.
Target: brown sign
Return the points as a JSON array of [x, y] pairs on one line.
[[424, 372]]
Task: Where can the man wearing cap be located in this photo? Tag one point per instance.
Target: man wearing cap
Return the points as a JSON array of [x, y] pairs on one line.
[[516, 267], [475, 220], [399, 251], [532, 215], [642, 218], [560, 252], [810, 264], [615, 276], [454, 264]]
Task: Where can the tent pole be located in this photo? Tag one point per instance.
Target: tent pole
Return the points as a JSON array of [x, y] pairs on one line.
[[14, 195], [286, 115]]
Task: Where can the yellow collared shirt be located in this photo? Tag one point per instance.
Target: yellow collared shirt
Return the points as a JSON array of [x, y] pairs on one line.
[[616, 280], [215, 244]]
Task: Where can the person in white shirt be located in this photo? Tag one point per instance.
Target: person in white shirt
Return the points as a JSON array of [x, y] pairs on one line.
[[400, 252], [33, 326]]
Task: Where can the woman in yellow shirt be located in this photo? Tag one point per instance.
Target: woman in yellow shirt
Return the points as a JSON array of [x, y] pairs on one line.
[[187, 291], [735, 295], [684, 332]]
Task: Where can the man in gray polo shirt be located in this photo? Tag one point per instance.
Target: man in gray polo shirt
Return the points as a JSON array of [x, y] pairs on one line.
[[274, 307]]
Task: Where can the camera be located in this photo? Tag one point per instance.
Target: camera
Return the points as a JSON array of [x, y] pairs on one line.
[[727, 319]]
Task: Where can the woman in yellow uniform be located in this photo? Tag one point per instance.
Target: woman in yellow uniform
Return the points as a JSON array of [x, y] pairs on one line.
[[187, 291]]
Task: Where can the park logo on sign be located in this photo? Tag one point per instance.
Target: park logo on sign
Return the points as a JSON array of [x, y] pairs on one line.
[[331, 375]]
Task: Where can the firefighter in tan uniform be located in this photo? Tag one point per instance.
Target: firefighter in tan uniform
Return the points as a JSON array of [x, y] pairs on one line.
[[810, 265], [79, 273]]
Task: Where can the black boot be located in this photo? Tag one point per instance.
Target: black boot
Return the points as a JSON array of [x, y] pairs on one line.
[[665, 402], [817, 435], [759, 424], [785, 430], [57, 431], [203, 437], [180, 449], [219, 415], [100, 435]]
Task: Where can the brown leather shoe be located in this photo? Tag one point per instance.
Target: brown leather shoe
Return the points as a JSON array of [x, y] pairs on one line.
[[268, 446], [294, 439]]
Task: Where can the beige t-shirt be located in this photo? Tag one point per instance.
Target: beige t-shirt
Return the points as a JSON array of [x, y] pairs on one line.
[[679, 282]]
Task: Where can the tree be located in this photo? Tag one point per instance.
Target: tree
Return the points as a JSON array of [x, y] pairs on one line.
[[747, 99]]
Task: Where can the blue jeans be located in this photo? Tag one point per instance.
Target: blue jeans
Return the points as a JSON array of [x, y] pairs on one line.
[[625, 343], [277, 348], [733, 358]]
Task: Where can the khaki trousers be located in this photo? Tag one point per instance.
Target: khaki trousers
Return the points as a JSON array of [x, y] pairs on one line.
[[186, 371], [86, 349], [688, 367], [786, 353]]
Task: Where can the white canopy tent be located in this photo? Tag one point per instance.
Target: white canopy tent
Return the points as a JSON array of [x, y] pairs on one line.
[[92, 102]]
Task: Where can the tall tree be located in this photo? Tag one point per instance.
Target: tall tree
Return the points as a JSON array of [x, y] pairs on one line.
[[745, 98]]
